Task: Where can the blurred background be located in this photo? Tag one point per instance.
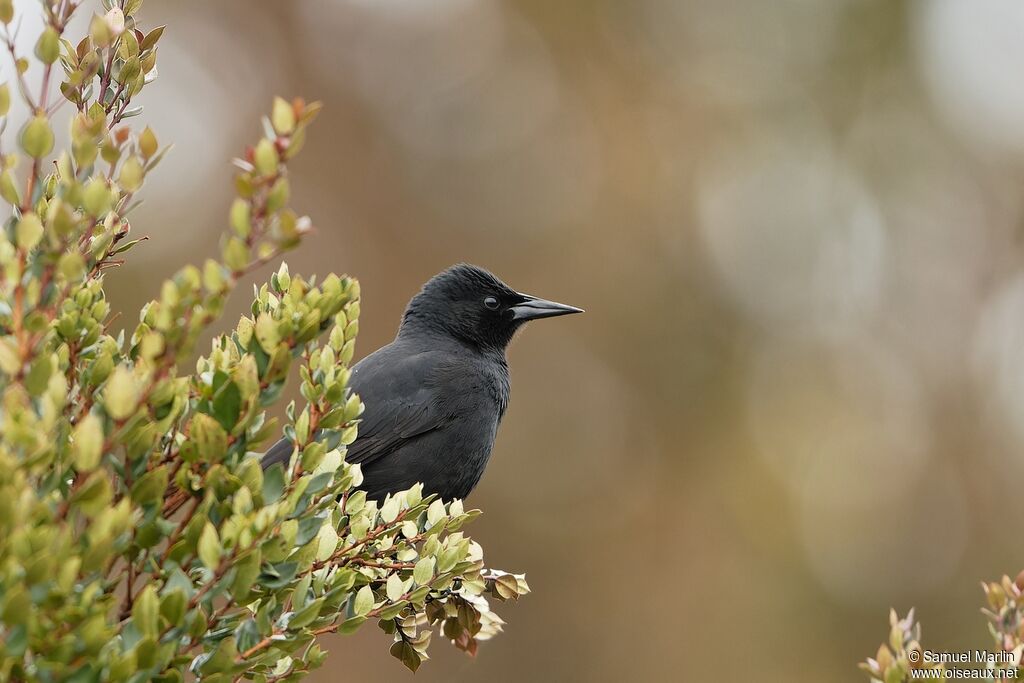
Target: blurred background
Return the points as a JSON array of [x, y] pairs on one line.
[[797, 396]]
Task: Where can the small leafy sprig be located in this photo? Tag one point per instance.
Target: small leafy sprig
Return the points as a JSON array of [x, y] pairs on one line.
[[1005, 614], [901, 654], [902, 659]]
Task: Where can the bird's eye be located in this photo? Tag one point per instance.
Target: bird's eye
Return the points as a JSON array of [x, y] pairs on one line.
[[491, 303]]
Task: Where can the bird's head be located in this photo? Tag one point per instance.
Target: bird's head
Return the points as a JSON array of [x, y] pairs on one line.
[[472, 305]]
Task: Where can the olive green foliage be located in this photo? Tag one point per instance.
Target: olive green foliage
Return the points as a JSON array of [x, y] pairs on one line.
[[901, 660], [139, 537]]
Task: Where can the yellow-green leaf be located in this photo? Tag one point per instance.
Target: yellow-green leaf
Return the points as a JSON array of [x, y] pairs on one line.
[[121, 395], [395, 587], [146, 611], [148, 145], [29, 231], [283, 117], [208, 549], [363, 601], [130, 178], [48, 46], [266, 157], [423, 572], [37, 137], [97, 199], [266, 333], [87, 443]]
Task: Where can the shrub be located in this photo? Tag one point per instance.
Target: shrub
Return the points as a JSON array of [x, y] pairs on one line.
[[902, 658], [139, 537]]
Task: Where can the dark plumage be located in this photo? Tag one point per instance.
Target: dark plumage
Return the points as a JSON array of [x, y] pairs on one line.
[[435, 395]]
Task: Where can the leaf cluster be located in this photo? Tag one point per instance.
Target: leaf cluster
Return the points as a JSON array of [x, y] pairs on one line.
[[901, 659], [901, 654]]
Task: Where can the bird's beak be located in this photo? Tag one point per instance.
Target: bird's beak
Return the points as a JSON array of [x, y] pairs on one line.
[[533, 308]]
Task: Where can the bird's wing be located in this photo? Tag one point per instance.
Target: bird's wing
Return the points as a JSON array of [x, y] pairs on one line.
[[400, 396], [279, 452], [397, 389]]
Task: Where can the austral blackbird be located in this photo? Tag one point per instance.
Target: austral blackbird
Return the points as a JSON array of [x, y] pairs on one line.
[[436, 394]]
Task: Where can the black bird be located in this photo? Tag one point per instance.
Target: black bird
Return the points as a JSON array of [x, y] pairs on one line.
[[435, 395]]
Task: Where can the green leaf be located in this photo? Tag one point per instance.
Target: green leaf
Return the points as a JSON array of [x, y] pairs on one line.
[[29, 231], [407, 654], [151, 486], [236, 255], [130, 70], [93, 496], [227, 405], [300, 595], [39, 374], [48, 46], [423, 572], [351, 625], [306, 615], [265, 157], [10, 358], [246, 571], [214, 276], [121, 395], [240, 221], [328, 542], [308, 529], [173, 605], [395, 587], [16, 606], [151, 38], [266, 333], [363, 602], [208, 549], [355, 503], [97, 198], [146, 611], [436, 512], [71, 266], [131, 175], [148, 145], [447, 559], [278, 575], [222, 659], [283, 117], [389, 512], [247, 634], [8, 188], [37, 137], [87, 443], [210, 438], [146, 652]]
